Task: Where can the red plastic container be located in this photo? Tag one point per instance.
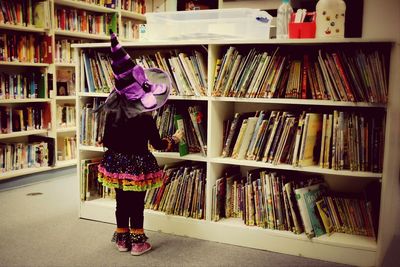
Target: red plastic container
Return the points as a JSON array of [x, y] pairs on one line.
[[303, 29]]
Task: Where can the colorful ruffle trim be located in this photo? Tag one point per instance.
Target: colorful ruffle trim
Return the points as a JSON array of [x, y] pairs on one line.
[[132, 185], [128, 176]]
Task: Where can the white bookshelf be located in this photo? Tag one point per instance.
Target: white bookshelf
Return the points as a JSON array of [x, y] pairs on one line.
[[24, 100], [341, 248], [85, 6], [81, 35], [21, 28], [22, 133]]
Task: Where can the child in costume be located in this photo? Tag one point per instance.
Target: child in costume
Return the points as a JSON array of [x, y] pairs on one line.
[[128, 165]]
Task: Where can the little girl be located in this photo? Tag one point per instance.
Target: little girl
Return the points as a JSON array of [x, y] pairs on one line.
[[128, 165]]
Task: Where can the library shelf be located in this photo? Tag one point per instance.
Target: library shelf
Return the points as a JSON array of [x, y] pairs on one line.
[[305, 102], [66, 129], [21, 28], [65, 64], [82, 35], [22, 133], [66, 97], [24, 100], [92, 148], [66, 163], [132, 15], [86, 94], [85, 6], [175, 155], [25, 171], [23, 64], [188, 97], [338, 247], [311, 169]]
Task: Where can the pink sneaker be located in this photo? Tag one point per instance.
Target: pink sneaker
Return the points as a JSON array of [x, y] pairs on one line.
[[140, 248], [122, 241]]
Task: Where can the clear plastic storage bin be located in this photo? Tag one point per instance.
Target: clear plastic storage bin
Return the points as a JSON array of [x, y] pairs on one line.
[[214, 24]]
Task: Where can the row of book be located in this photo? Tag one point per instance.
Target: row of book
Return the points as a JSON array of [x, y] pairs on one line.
[[66, 115], [25, 48], [25, 13], [137, 6], [37, 152], [358, 76], [90, 188], [67, 148], [191, 120], [188, 71], [105, 3], [182, 192], [15, 119], [298, 204], [83, 21], [339, 141], [130, 30], [98, 72], [64, 51], [22, 85], [92, 124], [65, 81]]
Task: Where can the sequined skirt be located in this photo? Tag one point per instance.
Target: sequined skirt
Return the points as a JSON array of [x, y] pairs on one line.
[[130, 172]]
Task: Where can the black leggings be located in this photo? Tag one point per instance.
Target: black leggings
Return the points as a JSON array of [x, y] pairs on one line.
[[130, 207]]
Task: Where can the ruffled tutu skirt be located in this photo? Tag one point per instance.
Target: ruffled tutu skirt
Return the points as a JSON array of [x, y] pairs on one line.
[[130, 172]]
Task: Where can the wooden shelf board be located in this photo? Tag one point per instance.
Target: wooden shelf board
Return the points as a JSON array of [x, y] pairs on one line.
[[65, 64], [307, 102], [22, 28], [85, 6], [132, 15], [26, 171], [312, 169], [67, 97], [244, 42], [22, 133], [82, 35], [24, 64], [92, 148], [26, 100], [85, 94], [66, 163], [175, 155], [182, 97], [66, 129]]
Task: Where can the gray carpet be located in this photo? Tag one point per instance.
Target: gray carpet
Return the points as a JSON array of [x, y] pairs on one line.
[[44, 230]]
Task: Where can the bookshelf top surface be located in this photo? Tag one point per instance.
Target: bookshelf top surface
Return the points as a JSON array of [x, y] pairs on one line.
[[227, 42]]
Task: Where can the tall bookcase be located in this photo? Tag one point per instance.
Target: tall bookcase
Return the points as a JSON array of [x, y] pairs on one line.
[[60, 41], [339, 247]]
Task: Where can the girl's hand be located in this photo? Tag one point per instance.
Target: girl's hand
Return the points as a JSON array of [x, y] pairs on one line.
[[178, 136]]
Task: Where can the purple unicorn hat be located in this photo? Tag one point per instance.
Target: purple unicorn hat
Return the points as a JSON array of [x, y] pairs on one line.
[[136, 89]]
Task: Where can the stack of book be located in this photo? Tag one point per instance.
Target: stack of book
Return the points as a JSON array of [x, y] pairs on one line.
[[28, 48], [330, 75], [137, 6], [22, 86], [75, 20], [339, 141], [193, 125], [182, 192], [90, 188], [15, 119], [297, 204], [31, 154], [92, 124], [98, 73]]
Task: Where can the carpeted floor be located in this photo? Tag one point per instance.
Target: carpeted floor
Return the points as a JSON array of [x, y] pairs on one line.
[[44, 230]]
